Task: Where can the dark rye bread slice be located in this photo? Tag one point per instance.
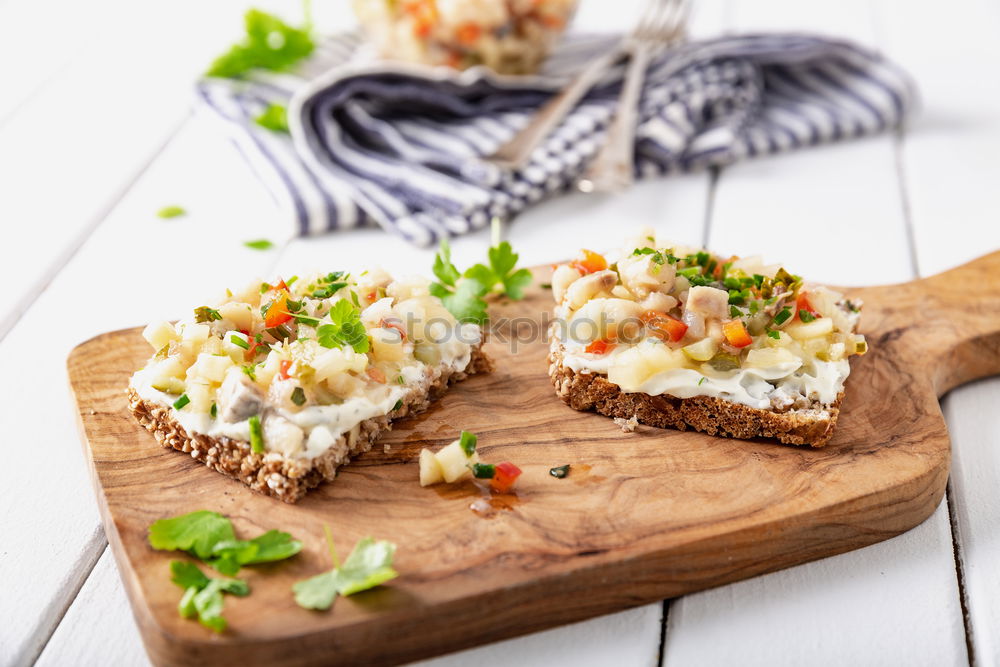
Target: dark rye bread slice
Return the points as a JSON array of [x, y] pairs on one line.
[[273, 474], [812, 426]]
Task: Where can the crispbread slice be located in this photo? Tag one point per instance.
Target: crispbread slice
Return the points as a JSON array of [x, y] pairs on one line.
[[271, 473], [812, 426]]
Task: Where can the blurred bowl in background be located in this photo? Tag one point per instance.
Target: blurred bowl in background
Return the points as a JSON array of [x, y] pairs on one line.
[[508, 36]]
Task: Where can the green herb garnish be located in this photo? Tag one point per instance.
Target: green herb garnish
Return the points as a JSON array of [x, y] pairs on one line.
[[398, 405], [214, 411], [181, 401], [249, 371], [345, 328], [467, 441], [270, 44], [206, 314], [484, 470], [783, 315], [805, 315], [202, 595], [238, 341], [559, 472], [735, 312], [196, 532], [368, 565], [256, 435], [298, 396], [776, 335], [274, 118], [168, 212], [259, 244]]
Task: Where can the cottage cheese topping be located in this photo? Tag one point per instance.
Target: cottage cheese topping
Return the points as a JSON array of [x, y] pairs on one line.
[[658, 318], [311, 360]]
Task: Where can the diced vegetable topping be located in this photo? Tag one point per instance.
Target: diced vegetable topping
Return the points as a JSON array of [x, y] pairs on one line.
[[504, 477], [591, 262], [736, 333], [599, 347], [559, 472]]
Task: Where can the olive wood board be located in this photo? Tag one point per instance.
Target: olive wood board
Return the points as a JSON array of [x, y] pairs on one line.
[[642, 516]]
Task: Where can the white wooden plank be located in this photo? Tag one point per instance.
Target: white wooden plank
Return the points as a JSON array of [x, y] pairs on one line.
[[949, 154], [84, 636], [875, 606], [835, 215], [975, 471], [949, 174], [77, 142], [135, 268]]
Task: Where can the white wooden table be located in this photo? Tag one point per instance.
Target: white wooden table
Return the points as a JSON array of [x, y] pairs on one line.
[[97, 134]]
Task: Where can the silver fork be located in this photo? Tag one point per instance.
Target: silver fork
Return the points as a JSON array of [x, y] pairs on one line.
[[516, 152], [613, 168]]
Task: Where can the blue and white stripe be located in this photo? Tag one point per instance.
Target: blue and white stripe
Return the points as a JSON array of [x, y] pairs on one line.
[[401, 146]]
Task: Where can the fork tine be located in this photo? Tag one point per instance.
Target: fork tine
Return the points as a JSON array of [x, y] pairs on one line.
[[649, 16]]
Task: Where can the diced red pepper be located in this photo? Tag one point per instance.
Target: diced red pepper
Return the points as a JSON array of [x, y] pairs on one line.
[[277, 312], [283, 369], [468, 33], [802, 303], [376, 375], [251, 353], [592, 262], [504, 477], [600, 347], [663, 325], [736, 333]]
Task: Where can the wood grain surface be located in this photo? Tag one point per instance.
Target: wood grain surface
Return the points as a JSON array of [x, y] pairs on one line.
[[643, 516]]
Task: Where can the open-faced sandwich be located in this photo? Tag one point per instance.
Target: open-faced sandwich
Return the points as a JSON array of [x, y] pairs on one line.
[[682, 338], [278, 385]]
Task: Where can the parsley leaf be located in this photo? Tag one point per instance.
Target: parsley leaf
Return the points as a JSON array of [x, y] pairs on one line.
[[270, 44], [502, 260], [274, 118], [345, 328], [202, 595], [168, 212], [443, 268], [466, 302], [273, 545], [368, 565], [197, 533], [210, 537]]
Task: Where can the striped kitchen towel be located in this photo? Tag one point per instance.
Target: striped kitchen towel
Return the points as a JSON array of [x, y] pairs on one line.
[[401, 146]]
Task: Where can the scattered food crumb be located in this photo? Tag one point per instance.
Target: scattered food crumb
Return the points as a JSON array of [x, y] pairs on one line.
[[259, 244], [386, 448], [627, 425], [559, 472], [171, 212]]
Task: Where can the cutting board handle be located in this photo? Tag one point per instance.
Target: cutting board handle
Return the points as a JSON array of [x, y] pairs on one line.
[[953, 322]]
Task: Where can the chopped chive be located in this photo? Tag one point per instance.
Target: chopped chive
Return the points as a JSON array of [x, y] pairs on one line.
[[398, 405], [264, 287], [758, 280], [702, 381], [181, 402], [206, 314], [238, 341], [559, 472], [250, 372], [467, 441], [735, 312], [805, 315], [291, 281], [214, 411], [400, 380], [782, 316], [546, 285], [484, 470], [256, 435], [298, 396], [774, 334]]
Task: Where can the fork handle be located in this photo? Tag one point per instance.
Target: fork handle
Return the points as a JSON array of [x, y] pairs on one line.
[[516, 152], [613, 168]]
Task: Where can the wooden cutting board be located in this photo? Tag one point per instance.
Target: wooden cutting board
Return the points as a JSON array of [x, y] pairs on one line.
[[642, 516]]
